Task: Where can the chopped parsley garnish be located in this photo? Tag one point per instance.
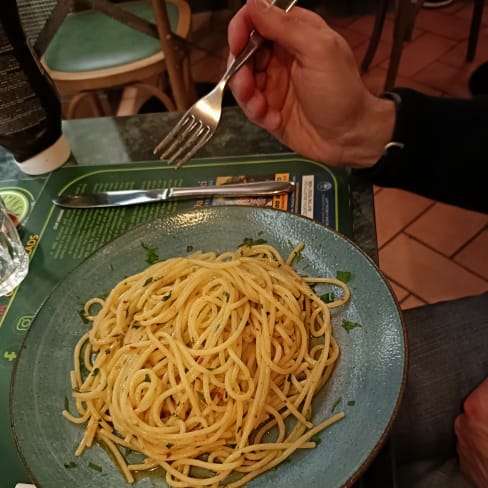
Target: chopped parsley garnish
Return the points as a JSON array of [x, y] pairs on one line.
[[169, 445], [348, 325], [227, 296], [328, 297], [151, 256], [70, 465], [336, 403], [315, 438], [84, 317], [95, 372], [95, 467], [351, 403], [344, 276], [249, 242], [149, 280], [297, 256], [202, 397], [146, 378], [166, 297]]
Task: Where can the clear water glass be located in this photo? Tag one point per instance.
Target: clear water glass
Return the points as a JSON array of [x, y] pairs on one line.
[[14, 261]]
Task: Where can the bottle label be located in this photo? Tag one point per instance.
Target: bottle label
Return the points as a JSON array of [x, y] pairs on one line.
[[19, 106]]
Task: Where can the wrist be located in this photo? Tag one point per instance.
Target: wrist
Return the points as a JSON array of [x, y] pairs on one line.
[[366, 143]]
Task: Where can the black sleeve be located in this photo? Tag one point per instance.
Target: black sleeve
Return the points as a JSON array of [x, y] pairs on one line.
[[445, 153]]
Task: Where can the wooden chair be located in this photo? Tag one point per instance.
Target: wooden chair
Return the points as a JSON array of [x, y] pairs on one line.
[[127, 47], [405, 14]]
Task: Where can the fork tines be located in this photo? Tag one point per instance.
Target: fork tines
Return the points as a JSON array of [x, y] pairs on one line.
[[184, 140]]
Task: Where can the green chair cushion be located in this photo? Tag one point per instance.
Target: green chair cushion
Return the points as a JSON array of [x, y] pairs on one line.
[[91, 40]]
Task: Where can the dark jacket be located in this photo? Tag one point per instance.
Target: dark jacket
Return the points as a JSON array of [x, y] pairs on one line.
[[445, 153]]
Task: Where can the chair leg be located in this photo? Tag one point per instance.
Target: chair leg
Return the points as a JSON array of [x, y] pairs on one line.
[[93, 102], [136, 94], [416, 6], [376, 35], [172, 54], [400, 29], [475, 29]]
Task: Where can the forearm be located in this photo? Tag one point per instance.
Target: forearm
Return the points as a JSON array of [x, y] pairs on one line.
[[444, 156]]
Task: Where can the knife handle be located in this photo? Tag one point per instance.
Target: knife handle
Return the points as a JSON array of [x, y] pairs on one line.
[[255, 189]]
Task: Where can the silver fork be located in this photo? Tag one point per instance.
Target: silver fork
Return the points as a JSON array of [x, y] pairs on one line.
[[201, 120]]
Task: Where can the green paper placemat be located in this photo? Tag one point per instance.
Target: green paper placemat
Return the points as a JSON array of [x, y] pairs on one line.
[[58, 239]]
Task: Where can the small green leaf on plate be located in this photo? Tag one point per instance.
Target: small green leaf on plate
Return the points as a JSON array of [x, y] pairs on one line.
[[249, 242], [336, 404], [348, 325], [150, 256], [95, 467], [344, 276], [315, 438], [328, 297], [83, 316]]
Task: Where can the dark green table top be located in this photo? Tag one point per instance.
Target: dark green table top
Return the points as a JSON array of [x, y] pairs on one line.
[[116, 141]]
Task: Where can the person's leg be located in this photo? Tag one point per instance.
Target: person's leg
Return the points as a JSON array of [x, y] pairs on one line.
[[448, 358]]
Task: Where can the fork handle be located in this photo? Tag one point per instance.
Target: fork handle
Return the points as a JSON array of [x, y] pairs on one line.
[[254, 42]]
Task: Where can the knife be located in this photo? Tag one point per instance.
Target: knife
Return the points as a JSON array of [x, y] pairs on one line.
[[120, 198]]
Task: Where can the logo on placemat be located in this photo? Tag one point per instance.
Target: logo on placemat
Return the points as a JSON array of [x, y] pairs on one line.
[[24, 323], [16, 202]]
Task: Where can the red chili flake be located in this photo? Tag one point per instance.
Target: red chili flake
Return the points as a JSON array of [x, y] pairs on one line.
[[199, 360], [168, 455], [133, 347], [218, 395], [125, 301]]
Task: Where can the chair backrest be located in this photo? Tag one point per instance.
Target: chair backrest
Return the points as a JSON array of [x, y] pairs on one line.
[[42, 18]]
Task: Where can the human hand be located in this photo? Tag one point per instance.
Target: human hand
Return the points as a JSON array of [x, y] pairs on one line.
[[471, 429], [305, 87]]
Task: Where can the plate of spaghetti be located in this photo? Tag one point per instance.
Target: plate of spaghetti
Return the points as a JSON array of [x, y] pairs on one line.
[[222, 346]]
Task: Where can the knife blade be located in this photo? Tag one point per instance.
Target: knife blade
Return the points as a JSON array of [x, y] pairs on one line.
[[117, 198]]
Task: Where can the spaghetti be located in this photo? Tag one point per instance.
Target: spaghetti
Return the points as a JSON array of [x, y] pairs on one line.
[[207, 365]]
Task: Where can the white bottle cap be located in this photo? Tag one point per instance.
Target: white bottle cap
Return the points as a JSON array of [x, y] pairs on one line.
[[48, 160]]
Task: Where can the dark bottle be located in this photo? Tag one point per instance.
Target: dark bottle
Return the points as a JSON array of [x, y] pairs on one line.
[[30, 108]]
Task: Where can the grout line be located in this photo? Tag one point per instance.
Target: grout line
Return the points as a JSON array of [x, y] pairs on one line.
[[468, 242], [410, 222], [433, 249], [412, 294]]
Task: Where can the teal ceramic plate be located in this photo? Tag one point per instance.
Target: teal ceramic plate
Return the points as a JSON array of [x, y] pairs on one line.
[[367, 383]]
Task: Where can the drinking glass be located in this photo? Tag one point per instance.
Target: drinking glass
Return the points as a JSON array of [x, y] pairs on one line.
[[14, 261]]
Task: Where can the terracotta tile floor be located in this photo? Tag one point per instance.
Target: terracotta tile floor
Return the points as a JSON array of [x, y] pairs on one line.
[[429, 251]]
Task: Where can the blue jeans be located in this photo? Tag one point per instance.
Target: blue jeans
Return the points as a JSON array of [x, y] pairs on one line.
[[448, 358]]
